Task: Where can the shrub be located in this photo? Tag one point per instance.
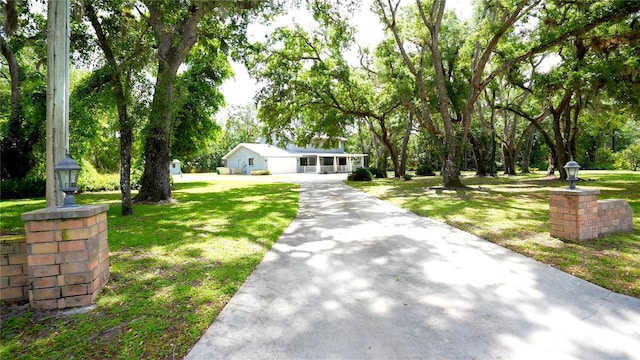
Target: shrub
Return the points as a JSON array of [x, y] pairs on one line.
[[604, 160], [260, 172], [90, 179], [377, 173], [425, 170], [361, 174], [136, 177], [629, 158], [28, 187], [407, 177]]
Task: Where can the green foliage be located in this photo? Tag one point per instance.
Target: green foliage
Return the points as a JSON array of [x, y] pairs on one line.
[[30, 186], [604, 160], [173, 268], [90, 180], [197, 99], [241, 125], [361, 174], [24, 142], [310, 88], [407, 177], [136, 175], [93, 128], [22, 129], [260, 172], [208, 160], [377, 172], [425, 170], [630, 157]]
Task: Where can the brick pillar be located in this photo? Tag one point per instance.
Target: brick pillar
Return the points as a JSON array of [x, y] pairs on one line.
[[14, 283], [615, 215], [573, 214], [67, 255]]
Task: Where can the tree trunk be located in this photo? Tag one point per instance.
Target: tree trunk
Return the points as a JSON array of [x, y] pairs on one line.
[[126, 140], [155, 184], [494, 148], [509, 160], [405, 143], [551, 168], [526, 160], [478, 155], [383, 139], [174, 44], [393, 154], [451, 171], [13, 146], [126, 128]]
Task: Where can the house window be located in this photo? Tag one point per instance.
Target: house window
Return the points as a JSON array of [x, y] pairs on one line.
[[342, 161], [306, 161], [250, 161]]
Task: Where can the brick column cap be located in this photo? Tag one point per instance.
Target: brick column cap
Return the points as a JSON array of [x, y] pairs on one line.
[[574, 192], [53, 213]]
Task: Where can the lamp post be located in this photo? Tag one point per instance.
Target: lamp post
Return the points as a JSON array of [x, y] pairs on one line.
[[572, 173], [67, 171]]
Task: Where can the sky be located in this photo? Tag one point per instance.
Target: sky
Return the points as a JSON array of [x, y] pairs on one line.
[[241, 89]]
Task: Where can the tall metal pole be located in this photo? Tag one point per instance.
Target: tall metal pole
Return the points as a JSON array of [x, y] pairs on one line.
[[57, 92]]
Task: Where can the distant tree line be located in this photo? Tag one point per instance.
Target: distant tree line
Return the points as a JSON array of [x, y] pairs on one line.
[[523, 84]]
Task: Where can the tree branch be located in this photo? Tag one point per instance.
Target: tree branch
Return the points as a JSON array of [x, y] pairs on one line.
[[631, 7]]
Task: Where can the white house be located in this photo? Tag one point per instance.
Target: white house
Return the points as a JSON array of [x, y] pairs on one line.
[[247, 157]]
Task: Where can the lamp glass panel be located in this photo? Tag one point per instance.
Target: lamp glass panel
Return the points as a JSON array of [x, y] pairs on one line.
[[65, 175], [73, 177], [59, 177]]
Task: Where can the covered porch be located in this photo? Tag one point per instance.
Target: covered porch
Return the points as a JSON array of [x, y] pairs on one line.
[[330, 163]]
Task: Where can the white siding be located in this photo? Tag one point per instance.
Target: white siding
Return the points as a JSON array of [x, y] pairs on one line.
[[282, 165], [240, 159], [275, 165]]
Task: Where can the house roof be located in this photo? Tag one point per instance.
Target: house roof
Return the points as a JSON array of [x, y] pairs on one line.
[[324, 153], [264, 150], [267, 151]]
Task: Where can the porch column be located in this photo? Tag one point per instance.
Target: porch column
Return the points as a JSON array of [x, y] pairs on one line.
[[317, 164], [349, 164], [335, 164], [361, 161]]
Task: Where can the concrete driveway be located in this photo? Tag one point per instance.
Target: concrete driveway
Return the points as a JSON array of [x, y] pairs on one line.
[[354, 277]]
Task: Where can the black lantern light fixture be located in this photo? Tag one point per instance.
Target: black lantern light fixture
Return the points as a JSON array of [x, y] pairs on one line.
[[572, 173], [67, 171]]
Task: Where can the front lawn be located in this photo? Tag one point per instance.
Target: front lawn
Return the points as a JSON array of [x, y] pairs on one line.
[[514, 212], [173, 268]]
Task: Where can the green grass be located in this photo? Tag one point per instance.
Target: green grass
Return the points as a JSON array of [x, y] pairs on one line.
[[173, 268], [514, 212]]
